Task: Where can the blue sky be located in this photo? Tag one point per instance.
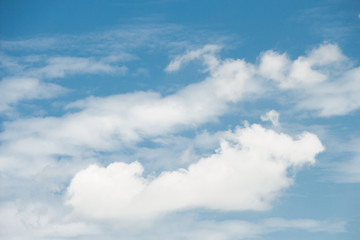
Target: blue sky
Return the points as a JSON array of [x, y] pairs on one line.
[[177, 119]]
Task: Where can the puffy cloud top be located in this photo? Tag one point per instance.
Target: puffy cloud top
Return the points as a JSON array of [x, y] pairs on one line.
[[247, 172]]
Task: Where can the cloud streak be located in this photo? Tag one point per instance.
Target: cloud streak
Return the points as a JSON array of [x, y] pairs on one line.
[[107, 123], [13, 90], [206, 54]]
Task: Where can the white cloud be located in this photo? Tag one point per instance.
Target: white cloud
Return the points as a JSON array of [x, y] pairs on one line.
[[334, 98], [323, 81], [115, 122], [274, 65], [347, 170], [13, 90], [8, 63], [26, 76], [32, 43], [305, 224], [305, 71], [237, 229], [109, 123], [57, 67], [272, 116], [50, 150], [247, 173], [39, 221], [43, 67], [206, 54]]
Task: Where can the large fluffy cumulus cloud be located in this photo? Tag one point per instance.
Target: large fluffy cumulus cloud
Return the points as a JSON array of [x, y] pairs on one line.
[[247, 173]]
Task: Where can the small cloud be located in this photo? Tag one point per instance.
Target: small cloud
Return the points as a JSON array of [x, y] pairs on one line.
[[272, 116], [204, 53]]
